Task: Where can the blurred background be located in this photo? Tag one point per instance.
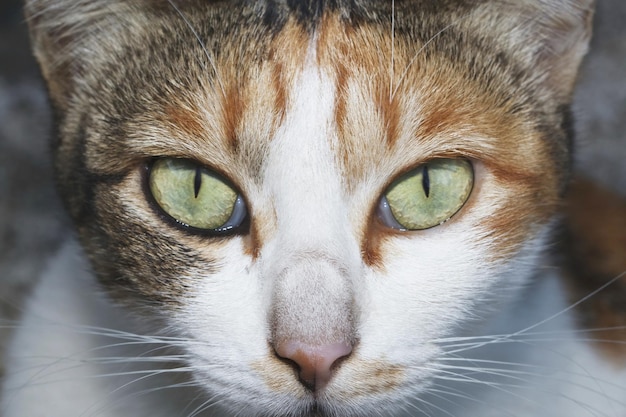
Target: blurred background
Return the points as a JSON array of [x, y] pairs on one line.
[[32, 222]]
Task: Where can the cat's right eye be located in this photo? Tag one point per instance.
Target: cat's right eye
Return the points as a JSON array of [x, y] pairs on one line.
[[194, 196]]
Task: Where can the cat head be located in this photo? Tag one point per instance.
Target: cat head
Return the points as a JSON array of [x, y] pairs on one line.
[[313, 193]]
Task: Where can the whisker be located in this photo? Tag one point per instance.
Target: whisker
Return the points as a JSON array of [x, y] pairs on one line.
[[137, 394], [393, 49], [207, 404], [448, 391], [485, 340], [573, 305], [452, 341], [532, 371], [500, 386], [78, 364], [406, 70], [428, 404], [202, 44]]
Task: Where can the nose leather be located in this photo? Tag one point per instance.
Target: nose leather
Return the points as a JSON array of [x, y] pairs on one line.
[[315, 363]]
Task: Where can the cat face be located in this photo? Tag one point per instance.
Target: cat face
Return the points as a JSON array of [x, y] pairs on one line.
[[314, 195]]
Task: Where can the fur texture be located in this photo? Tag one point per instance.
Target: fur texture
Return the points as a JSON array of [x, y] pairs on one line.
[[311, 109]]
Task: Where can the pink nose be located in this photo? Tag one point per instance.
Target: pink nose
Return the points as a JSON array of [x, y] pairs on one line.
[[315, 363]]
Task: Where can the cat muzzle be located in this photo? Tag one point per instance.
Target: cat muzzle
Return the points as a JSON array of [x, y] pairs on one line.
[[312, 320]]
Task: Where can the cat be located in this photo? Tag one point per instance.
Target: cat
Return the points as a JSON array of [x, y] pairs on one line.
[[311, 208]]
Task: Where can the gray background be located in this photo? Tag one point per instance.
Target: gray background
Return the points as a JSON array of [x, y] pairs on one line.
[[32, 222]]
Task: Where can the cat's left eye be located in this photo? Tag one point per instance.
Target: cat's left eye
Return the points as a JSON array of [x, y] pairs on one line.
[[194, 196], [428, 195]]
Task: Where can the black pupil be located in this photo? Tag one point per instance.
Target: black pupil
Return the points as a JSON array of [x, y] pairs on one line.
[[197, 182], [425, 181]]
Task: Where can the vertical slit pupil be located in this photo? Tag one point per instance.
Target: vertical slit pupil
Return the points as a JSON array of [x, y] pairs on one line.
[[197, 182], [426, 181]]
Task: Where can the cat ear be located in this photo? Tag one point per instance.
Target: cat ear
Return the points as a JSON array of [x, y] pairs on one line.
[[67, 34], [563, 28]]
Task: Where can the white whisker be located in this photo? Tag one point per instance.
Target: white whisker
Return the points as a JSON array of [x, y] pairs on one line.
[[202, 45], [415, 56], [572, 306], [446, 391], [393, 49]]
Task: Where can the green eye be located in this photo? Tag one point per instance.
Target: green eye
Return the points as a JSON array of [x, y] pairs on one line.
[[427, 196], [195, 196]]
